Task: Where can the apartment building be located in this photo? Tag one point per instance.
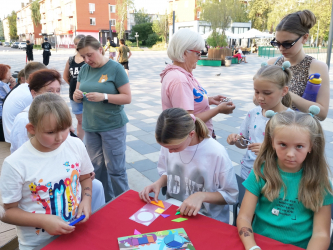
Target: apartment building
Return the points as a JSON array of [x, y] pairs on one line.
[[187, 16], [62, 20], [6, 29], [26, 30]]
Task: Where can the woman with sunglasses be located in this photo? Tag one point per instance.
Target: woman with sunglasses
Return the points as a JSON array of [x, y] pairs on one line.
[[179, 87], [291, 34]]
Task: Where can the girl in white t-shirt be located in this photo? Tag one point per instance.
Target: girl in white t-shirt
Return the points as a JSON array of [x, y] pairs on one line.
[[195, 168], [46, 184], [271, 92]]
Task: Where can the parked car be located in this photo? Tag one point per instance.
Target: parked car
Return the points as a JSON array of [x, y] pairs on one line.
[[6, 44], [22, 45], [0, 43], [15, 45]]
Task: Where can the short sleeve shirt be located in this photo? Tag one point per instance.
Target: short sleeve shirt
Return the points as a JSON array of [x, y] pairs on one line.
[[99, 116], [294, 222], [123, 50]]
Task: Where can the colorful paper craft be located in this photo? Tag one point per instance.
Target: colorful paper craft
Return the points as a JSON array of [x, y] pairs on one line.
[[159, 210], [165, 215], [168, 239], [146, 215], [159, 203], [178, 212], [179, 219], [136, 231]]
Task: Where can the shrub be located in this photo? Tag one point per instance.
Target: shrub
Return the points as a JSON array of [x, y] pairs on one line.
[[152, 39]]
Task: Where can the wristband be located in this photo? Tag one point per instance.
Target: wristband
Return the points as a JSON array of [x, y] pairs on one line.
[[255, 247]]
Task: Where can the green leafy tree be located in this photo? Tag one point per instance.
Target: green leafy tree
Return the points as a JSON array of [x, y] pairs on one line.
[[35, 12], [161, 27], [12, 26], [140, 16], [2, 35], [144, 30], [218, 40], [258, 13], [152, 39], [220, 13], [122, 7]]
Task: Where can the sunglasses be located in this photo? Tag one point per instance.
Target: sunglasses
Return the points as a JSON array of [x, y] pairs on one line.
[[284, 44], [197, 52]]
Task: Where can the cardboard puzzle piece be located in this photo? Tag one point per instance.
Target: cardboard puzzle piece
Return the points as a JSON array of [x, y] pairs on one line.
[[179, 219]]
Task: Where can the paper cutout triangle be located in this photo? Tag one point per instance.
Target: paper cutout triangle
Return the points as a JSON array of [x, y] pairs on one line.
[[179, 220], [165, 215], [136, 231], [159, 203]]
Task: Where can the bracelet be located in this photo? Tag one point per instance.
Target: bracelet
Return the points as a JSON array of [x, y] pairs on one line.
[[255, 247]]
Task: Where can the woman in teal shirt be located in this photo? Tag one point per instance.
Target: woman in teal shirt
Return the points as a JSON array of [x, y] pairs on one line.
[[104, 88]]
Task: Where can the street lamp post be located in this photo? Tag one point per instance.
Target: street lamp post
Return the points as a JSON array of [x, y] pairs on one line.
[[137, 37]]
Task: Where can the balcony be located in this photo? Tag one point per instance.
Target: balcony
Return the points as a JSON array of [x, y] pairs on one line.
[[42, 21], [69, 12]]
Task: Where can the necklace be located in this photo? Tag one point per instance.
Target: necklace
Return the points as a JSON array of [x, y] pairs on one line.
[[180, 156]]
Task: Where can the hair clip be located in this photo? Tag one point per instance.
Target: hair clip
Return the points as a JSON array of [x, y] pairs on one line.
[[193, 118], [314, 110], [243, 141], [264, 64], [270, 113], [226, 99], [285, 65]]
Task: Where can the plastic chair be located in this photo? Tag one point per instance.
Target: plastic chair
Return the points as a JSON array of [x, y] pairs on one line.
[[331, 244], [241, 189]]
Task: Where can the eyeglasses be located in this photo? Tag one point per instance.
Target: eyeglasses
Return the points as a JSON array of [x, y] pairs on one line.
[[197, 52], [284, 45]]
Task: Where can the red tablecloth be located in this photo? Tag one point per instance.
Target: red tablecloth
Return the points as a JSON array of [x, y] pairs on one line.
[[112, 221]]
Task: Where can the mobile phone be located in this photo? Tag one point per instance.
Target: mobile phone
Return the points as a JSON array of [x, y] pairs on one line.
[[77, 220]]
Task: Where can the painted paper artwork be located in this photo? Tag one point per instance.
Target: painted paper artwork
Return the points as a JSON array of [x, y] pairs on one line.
[[161, 240]]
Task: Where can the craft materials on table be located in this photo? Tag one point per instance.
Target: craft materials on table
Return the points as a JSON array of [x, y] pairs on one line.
[[149, 212], [161, 240]]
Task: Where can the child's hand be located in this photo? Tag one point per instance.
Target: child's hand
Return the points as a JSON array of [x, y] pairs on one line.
[[191, 206], [144, 194], [254, 147], [84, 208], [232, 138], [226, 107], [215, 100], [54, 225]]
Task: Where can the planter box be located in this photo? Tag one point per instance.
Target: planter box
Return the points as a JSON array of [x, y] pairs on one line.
[[207, 62]]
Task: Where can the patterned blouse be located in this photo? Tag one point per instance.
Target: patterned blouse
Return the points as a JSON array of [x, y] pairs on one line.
[[300, 76]]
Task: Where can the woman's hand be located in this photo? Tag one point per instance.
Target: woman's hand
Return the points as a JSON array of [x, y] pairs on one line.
[[92, 176], [12, 82], [254, 147], [191, 206], [54, 225], [215, 100], [232, 139], [84, 208], [78, 95], [226, 107], [95, 97], [144, 194]]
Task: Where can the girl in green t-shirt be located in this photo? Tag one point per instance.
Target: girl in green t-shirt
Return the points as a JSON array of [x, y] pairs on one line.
[[289, 189]]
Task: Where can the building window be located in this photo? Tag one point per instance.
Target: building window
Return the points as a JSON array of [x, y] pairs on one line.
[[92, 21], [91, 8], [113, 22], [113, 8], [198, 14]]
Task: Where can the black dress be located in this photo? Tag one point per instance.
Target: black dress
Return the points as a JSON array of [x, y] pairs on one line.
[[29, 52]]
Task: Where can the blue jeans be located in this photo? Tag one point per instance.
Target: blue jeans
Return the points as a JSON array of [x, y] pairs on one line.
[[107, 154]]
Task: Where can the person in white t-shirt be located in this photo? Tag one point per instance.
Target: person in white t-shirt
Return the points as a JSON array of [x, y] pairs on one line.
[[46, 183], [195, 168], [18, 99]]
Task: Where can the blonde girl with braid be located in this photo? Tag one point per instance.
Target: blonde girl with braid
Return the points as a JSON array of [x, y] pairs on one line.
[[194, 167], [289, 190]]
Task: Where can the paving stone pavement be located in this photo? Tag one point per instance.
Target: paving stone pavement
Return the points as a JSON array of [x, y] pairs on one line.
[[145, 66]]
